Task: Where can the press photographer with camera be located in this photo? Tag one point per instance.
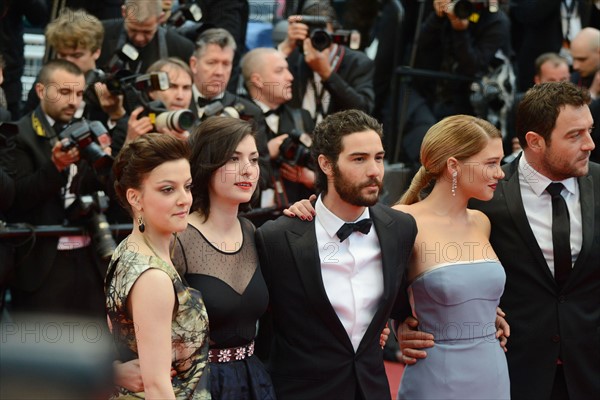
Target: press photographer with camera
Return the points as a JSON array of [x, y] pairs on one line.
[[140, 27], [464, 40], [57, 169], [268, 81], [328, 77], [170, 116]]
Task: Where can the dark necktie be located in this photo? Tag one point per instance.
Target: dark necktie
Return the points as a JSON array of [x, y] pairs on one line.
[[561, 232], [363, 226]]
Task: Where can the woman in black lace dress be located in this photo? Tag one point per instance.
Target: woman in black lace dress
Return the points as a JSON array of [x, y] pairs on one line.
[[218, 256]]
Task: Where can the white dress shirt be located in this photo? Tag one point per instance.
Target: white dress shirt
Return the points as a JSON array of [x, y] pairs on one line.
[[272, 120], [351, 270], [309, 102], [538, 208]]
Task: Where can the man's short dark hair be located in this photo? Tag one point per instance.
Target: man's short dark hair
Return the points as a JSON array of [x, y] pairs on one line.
[[57, 64], [539, 109], [328, 135]]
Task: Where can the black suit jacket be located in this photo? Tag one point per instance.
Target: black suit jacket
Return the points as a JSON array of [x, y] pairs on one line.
[[38, 201], [350, 86], [311, 354], [548, 323], [177, 45]]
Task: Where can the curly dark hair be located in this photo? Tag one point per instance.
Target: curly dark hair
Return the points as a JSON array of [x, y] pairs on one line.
[[328, 134]]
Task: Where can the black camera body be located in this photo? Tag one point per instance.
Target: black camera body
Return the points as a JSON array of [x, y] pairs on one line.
[[187, 12], [135, 89], [89, 209], [321, 39], [464, 8], [295, 150], [90, 138]]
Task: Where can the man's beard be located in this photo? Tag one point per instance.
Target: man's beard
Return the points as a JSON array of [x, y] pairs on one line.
[[352, 192]]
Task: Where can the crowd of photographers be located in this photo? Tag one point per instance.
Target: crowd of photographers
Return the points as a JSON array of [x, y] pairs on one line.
[[165, 69]]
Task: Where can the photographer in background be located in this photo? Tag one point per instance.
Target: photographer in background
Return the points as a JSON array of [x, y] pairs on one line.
[[177, 97], [140, 27], [334, 79], [269, 82], [76, 36], [55, 275], [461, 45]]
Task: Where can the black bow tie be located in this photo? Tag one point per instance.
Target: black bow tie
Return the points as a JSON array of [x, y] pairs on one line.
[[203, 102], [363, 226], [275, 111]]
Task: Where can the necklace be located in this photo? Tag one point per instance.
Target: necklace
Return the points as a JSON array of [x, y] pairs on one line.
[[150, 246], [172, 253]]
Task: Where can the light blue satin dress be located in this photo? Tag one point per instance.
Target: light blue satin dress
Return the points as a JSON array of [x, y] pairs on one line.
[[457, 302]]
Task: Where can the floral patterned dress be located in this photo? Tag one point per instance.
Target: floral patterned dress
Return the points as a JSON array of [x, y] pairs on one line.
[[189, 327]]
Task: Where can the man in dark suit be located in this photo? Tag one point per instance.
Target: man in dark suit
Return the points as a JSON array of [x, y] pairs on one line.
[[269, 82], [333, 281], [552, 293], [59, 275], [141, 28], [337, 78]]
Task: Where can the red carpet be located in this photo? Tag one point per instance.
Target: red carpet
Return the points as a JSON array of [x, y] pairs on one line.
[[394, 374]]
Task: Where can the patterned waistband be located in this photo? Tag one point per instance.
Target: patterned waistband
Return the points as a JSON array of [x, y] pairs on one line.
[[231, 354]]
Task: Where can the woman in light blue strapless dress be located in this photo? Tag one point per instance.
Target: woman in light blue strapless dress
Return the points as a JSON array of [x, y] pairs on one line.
[[456, 280], [456, 302]]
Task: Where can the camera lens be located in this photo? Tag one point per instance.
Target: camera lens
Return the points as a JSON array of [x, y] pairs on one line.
[[320, 39], [463, 9], [101, 236], [180, 120]]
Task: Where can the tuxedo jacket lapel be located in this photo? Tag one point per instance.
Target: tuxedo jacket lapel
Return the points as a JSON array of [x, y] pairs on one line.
[[303, 244], [514, 203], [586, 198]]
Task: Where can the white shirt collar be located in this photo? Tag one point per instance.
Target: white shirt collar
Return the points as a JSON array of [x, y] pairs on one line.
[[539, 182], [264, 108], [197, 94], [331, 222]]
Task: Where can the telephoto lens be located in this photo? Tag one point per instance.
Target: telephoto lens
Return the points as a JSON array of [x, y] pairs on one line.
[[180, 120]]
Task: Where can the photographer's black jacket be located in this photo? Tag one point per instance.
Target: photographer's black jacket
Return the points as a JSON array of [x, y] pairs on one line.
[[38, 198], [468, 53], [350, 85], [115, 37]]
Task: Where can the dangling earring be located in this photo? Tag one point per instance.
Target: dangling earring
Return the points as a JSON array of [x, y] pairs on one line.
[[454, 182], [141, 225]]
